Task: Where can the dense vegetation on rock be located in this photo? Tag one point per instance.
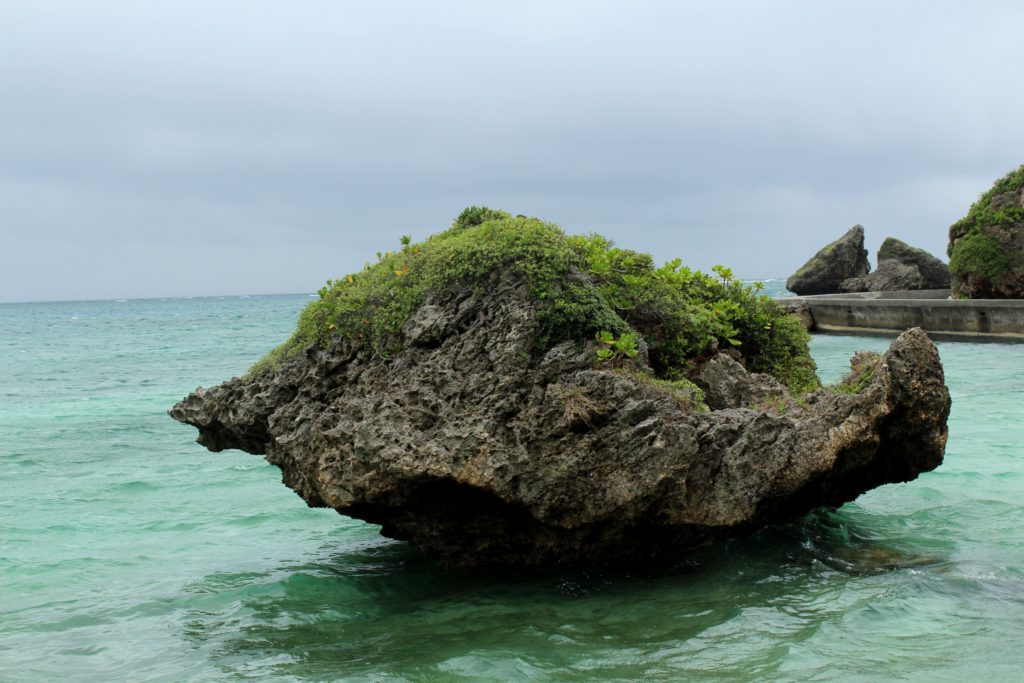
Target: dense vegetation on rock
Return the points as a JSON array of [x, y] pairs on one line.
[[986, 247], [585, 287]]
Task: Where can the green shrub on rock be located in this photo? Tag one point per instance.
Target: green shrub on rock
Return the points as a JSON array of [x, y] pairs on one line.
[[584, 287], [863, 368], [980, 254], [986, 247]]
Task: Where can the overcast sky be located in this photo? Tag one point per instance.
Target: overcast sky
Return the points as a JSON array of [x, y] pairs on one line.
[[218, 147]]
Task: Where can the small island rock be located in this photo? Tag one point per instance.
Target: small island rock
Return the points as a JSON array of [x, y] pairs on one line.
[[466, 428], [481, 459], [838, 261]]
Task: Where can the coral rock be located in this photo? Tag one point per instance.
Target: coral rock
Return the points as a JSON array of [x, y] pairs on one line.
[[480, 451]]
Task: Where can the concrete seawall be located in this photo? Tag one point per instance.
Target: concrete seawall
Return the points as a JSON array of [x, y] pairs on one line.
[[890, 313]]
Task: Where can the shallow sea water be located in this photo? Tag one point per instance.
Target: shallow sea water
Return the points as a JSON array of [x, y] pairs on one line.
[[127, 552]]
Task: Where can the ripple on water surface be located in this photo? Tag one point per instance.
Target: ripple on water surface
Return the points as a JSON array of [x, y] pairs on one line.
[[130, 553]]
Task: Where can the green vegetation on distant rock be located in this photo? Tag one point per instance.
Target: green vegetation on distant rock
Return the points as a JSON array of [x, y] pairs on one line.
[[987, 211], [986, 247], [584, 286], [980, 254]]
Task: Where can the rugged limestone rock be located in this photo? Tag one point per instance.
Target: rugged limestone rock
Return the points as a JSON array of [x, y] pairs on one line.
[[479, 450], [890, 276], [852, 284], [822, 274], [901, 267], [934, 274], [986, 247], [893, 276], [726, 384]]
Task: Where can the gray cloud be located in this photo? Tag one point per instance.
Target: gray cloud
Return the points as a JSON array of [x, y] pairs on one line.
[[186, 148]]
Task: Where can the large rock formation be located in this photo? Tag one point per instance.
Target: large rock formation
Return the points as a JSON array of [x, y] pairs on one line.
[[890, 276], [838, 261], [986, 247], [468, 441], [901, 267], [934, 274]]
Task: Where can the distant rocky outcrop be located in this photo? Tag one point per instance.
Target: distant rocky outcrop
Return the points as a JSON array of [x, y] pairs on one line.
[[986, 247], [469, 438], [901, 267], [840, 260], [890, 276], [934, 273]]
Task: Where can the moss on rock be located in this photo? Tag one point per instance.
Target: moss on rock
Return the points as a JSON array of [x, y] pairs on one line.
[[979, 254]]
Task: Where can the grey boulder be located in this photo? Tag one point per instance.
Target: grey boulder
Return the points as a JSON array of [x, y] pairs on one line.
[[840, 260], [933, 273]]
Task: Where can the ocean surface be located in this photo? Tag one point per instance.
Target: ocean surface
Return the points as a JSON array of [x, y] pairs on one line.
[[128, 552]]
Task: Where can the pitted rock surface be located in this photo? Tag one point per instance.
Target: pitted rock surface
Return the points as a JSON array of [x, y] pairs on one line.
[[934, 274], [482, 450]]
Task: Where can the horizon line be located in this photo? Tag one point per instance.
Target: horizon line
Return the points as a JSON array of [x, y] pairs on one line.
[[230, 296]]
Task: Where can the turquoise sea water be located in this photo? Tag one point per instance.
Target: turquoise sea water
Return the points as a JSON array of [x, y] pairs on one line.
[[128, 552]]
